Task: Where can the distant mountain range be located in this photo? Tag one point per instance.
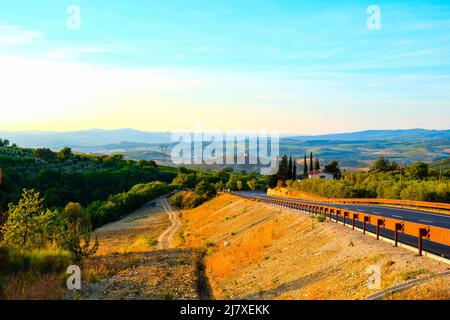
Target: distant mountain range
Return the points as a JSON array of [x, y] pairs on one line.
[[370, 135], [83, 138], [353, 150]]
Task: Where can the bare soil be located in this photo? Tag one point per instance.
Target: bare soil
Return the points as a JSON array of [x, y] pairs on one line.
[[259, 251]]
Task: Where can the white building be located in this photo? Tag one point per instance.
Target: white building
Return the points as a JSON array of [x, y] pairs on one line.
[[321, 174]]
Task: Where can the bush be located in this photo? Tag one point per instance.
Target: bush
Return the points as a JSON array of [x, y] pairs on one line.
[[118, 205], [386, 185], [76, 230], [187, 200], [320, 218]]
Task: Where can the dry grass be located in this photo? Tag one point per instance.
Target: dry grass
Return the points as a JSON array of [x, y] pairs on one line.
[[42, 287], [262, 251], [135, 233], [437, 289], [249, 249]]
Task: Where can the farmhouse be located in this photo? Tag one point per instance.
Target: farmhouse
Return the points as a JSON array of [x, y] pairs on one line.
[[321, 174]]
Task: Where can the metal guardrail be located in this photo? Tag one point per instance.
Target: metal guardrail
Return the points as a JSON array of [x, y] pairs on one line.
[[378, 201], [421, 231]]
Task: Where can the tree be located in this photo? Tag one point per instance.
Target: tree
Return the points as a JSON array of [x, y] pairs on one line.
[[289, 169], [272, 181], [184, 180], [333, 167], [44, 153], [383, 165], [4, 143], [283, 169], [28, 224], [305, 167], [65, 153], [205, 189], [252, 184], [240, 185], [183, 170], [294, 171], [417, 170], [77, 231], [219, 186], [316, 164], [311, 161]]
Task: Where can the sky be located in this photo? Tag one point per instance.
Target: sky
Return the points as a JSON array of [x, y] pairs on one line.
[[305, 67]]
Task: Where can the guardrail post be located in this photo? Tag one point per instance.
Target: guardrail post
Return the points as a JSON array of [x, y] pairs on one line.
[[380, 222], [422, 233], [355, 215], [345, 216], [366, 218], [398, 227], [337, 216]]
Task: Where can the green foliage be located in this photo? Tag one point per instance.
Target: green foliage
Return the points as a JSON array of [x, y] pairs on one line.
[[76, 232], [383, 165], [316, 164], [118, 205], [44, 153], [320, 218], [283, 170], [386, 185], [252, 184], [29, 225], [4, 143], [333, 167], [39, 261], [305, 166], [186, 180], [206, 189], [187, 200], [77, 178], [65, 153], [418, 170]]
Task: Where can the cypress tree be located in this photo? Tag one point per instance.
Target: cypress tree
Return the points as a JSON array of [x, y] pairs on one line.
[[317, 165], [290, 168], [311, 165], [294, 171], [305, 166], [283, 173]]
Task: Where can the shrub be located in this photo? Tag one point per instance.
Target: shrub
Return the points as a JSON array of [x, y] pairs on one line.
[[118, 205], [77, 229], [320, 218]]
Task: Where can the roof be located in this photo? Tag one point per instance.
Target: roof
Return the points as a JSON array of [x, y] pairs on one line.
[[320, 171]]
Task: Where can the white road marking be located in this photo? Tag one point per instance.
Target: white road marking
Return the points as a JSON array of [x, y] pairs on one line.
[[397, 216], [426, 221]]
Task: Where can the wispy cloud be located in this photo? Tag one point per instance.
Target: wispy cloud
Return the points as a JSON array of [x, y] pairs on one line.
[[11, 35]]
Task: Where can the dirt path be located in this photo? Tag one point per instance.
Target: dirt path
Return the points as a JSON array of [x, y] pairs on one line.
[[166, 238], [131, 264]]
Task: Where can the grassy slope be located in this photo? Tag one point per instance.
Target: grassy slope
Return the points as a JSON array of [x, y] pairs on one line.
[[274, 253]]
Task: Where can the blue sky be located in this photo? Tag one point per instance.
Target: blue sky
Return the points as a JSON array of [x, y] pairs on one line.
[[295, 66]]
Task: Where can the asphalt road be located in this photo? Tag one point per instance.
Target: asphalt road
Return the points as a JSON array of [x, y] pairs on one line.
[[412, 215]]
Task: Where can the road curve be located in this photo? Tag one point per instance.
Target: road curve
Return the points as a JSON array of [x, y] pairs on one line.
[[166, 238]]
